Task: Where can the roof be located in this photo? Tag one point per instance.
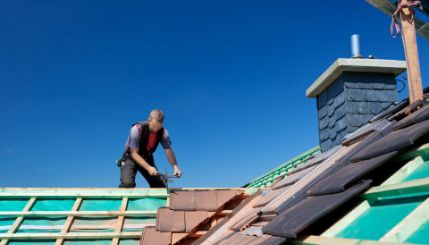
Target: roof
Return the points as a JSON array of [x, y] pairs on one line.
[[190, 214], [268, 178], [374, 187], [388, 7], [342, 65]]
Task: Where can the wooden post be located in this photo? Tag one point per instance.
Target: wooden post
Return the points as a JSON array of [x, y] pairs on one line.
[[411, 54]]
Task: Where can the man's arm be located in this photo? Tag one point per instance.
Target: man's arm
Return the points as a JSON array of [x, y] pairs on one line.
[[173, 162], [140, 161]]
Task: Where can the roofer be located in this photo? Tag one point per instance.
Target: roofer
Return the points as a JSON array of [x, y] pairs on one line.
[[142, 142]]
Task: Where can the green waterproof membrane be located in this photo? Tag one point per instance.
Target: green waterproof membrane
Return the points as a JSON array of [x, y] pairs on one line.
[[380, 218], [87, 242], [12, 204], [42, 225], [420, 236], [6, 223], [420, 172], [53, 205], [147, 203], [129, 242], [94, 224], [100, 205]]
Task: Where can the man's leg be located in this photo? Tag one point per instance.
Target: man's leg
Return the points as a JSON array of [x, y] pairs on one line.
[[128, 174], [153, 181]]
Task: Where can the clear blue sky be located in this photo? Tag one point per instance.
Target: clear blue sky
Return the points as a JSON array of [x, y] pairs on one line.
[[230, 76]]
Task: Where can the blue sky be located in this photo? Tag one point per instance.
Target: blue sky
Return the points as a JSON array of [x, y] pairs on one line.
[[230, 76]]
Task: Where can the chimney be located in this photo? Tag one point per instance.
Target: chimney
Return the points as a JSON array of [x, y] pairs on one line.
[[350, 92]]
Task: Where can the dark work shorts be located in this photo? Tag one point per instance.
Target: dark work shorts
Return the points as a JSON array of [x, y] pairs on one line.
[[129, 170]]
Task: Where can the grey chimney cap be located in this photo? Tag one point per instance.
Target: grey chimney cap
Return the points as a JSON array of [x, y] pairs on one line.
[[341, 65]]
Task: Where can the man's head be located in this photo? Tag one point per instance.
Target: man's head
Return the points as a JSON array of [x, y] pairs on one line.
[[155, 120]]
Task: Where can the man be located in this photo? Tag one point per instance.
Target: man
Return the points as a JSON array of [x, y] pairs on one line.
[[141, 144]]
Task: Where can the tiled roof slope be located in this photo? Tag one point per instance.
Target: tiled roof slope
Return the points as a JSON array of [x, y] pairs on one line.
[[190, 214], [269, 178], [316, 195]]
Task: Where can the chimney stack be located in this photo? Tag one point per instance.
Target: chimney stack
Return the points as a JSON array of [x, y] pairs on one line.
[[350, 92]]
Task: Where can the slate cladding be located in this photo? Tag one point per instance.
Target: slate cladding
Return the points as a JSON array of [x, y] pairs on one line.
[[350, 102]]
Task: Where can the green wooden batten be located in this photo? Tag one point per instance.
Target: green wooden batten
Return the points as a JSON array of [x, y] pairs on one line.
[[268, 178]]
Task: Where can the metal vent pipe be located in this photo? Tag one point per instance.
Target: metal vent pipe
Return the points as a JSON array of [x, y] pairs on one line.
[[355, 46]]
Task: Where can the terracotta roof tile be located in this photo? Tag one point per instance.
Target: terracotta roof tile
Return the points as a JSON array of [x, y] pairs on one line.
[[183, 200], [293, 178], [201, 200], [294, 220], [269, 195], [206, 200], [193, 219], [224, 196], [394, 141], [152, 236], [416, 117], [348, 175], [170, 220]]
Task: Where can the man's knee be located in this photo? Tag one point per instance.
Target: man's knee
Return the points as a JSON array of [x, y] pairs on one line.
[[127, 184]]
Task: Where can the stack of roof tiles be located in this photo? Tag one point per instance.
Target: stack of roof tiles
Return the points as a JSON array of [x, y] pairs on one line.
[[189, 213], [303, 202]]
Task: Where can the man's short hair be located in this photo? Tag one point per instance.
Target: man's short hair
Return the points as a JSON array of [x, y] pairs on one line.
[[156, 115]]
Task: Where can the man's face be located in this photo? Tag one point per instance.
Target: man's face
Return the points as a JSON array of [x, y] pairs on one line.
[[154, 126]]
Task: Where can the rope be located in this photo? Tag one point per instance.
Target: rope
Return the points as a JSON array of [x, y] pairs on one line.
[[394, 25]]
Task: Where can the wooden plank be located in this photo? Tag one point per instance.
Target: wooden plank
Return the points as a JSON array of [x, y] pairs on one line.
[[100, 192], [409, 225], [83, 192], [84, 227], [405, 171], [81, 213], [339, 226], [419, 187], [120, 221], [69, 221], [19, 220], [409, 40], [70, 236], [327, 240]]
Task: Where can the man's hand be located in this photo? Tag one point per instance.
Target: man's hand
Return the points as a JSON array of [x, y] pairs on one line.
[[177, 171], [152, 171]]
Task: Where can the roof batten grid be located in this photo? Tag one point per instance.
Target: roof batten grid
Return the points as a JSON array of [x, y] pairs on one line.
[[69, 221], [408, 226], [105, 197], [18, 221]]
